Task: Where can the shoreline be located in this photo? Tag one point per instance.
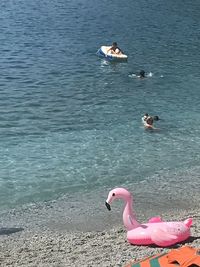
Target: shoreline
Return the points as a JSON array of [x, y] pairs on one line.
[[86, 211]]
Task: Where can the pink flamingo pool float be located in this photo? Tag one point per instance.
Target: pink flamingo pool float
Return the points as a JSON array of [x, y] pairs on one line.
[[156, 231]]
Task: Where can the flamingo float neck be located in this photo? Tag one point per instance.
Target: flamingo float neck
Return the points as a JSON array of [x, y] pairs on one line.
[[129, 217]]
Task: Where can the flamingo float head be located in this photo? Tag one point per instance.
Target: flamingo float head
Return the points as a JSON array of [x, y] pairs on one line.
[[117, 193]]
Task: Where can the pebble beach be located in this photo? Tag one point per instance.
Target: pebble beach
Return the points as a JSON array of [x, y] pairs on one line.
[[66, 233]]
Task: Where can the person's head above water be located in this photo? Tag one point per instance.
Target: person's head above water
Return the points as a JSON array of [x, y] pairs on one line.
[[114, 44], [142, 74], [156, 118]]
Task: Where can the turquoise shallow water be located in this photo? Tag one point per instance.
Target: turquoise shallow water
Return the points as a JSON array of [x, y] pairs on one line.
[[71, 122]]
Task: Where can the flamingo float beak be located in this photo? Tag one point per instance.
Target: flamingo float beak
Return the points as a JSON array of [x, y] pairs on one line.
[[108, 206]]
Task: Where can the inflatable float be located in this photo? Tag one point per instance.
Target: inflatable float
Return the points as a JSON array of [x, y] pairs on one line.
[[102, 52], [185, 256], [156, 231]]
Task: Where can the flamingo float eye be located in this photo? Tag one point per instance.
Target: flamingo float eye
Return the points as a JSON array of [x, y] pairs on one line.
[[113, 194]]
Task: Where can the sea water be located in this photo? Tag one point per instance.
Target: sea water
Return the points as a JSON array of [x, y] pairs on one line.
[[71, 122]]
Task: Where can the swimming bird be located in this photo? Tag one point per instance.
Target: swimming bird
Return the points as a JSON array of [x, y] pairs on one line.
[[156, 231]]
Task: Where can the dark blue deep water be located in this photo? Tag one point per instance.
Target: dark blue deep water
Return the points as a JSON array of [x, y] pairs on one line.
[[70, 121]]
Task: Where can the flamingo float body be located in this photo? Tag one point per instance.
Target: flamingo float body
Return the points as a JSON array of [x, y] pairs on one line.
[[156, 231]]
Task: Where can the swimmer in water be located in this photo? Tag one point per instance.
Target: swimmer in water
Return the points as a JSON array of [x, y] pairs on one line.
[[142, 74], [148, 120]]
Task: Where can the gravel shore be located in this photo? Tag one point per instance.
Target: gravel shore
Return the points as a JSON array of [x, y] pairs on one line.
[[80, 231]]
